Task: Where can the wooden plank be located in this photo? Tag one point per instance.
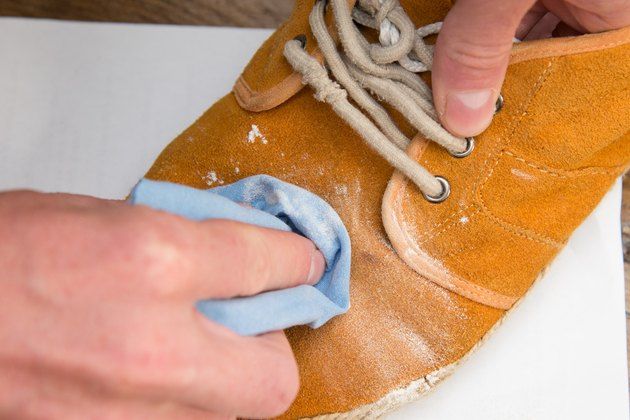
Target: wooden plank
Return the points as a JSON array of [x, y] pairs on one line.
[[246, 13]]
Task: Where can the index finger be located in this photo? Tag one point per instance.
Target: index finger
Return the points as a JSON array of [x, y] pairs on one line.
[[236, 259]]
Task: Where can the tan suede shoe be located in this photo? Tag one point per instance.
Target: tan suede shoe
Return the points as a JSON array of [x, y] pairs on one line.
[[437, 262]]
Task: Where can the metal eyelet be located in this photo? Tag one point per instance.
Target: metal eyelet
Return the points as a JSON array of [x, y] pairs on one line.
[[470, 146], [446, 191], [301, 39], [498, 106]]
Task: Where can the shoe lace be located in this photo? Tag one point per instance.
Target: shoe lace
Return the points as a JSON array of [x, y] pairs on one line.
[[389, 71]]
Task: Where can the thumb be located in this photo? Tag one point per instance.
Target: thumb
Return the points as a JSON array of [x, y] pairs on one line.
[[471, 56]]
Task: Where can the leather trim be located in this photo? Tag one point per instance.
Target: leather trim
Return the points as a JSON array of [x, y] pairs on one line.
[[257, 101], [410, 252], [557, 47]]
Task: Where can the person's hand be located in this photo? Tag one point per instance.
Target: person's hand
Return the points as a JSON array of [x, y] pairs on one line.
[[473, 49], [97, 314]]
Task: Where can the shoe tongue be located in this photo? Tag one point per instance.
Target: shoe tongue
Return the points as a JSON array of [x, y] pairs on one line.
[[424, 12]]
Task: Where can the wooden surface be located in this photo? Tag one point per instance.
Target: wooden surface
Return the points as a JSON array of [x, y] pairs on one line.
[[252, 13]]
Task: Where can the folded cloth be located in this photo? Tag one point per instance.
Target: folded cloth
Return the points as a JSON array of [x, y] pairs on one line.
[[278, 205]]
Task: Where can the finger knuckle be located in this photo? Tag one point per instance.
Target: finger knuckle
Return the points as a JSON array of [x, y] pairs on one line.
[[254, 252], [261, 265], [158, 254]]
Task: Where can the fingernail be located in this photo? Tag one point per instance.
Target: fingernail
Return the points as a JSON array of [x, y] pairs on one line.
[[318, 266], [468, 113]]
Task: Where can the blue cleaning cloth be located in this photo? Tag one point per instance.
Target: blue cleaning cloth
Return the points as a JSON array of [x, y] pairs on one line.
[[278, 205]]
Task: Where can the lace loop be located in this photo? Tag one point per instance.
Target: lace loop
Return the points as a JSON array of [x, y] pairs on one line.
[[384, 70]]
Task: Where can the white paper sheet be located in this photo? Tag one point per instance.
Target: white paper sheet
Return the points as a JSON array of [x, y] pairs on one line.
[[85, 108]]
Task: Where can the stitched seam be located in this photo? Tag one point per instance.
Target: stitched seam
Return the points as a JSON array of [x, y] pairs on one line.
[[468, 274], [480, 186], [512, 130], [429, 232], [528, 233], [465, 247], [472, 291], [562, 173], [449, 223], [525, 104], [515, 124], [520, 231], [425, 235]]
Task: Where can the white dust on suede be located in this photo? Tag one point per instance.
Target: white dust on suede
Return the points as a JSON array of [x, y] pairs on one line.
[[255, 134]]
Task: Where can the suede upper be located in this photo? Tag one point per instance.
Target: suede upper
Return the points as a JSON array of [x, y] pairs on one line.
[[429, 280]]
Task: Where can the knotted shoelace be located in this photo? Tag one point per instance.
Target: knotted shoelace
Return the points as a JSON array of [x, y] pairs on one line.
[[389, 71]]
